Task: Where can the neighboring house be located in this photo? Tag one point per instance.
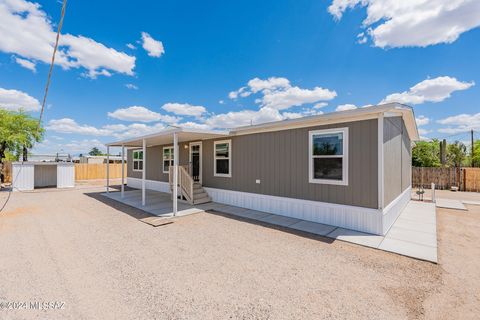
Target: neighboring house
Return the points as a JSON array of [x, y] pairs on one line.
[[57, 157], [99, 159], [350, 169]]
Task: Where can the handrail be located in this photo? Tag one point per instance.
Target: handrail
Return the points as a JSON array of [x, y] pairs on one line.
[[185, 182]]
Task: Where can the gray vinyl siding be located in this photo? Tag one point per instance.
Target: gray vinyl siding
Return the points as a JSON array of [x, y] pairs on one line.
[[397, 158], [154, 162], [280, 160]]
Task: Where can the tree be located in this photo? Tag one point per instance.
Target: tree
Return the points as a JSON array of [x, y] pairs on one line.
[[18, 131], [476, 153], [95, 152], [456, 154], [426, 154]]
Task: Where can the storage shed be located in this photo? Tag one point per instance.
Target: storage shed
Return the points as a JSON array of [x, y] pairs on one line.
[[27, 176]]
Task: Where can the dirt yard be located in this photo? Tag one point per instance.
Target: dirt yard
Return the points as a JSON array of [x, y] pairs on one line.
[[97, 261]]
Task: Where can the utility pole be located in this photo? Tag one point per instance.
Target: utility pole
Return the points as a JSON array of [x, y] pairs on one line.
[[471, 136]]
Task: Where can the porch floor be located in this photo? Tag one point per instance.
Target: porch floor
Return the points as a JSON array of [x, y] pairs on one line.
[[413, 234]]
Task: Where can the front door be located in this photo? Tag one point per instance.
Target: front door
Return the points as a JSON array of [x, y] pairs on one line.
[[196, 161]]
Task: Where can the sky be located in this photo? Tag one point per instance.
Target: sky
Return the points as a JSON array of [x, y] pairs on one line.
[[125, 68]]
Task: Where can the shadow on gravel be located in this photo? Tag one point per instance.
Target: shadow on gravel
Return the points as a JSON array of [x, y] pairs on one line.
[[140, 214]]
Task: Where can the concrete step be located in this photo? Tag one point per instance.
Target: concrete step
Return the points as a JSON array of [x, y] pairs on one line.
[[202, 200], [198, 190], [200, 195]]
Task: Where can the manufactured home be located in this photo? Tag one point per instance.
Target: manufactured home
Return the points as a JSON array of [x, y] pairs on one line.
[[350, 169]]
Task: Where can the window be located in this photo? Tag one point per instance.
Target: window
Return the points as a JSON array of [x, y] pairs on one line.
[[222, 154], [328, 156], [167, 158], [137, 160]]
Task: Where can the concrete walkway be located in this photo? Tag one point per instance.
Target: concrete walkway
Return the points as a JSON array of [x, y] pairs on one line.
[[413, 234]]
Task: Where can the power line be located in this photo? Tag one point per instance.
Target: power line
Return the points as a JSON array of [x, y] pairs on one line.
[[64, 5]]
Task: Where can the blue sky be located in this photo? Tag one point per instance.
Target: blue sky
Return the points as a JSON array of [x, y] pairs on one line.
[[222, 63]]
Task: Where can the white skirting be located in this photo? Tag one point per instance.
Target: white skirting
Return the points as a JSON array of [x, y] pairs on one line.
[[149, 184], [394, 208], [350, 217]]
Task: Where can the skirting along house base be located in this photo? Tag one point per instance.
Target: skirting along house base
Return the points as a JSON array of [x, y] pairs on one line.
[[350, 169]]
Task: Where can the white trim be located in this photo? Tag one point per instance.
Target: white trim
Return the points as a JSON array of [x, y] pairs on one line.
[[172, 151], [197, 143], [344, 156], [381, 165], [138, 160], [215, 174], [349, 217], [394, 208]]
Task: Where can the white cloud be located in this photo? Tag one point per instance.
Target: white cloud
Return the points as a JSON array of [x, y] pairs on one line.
[[320, 105], [277, 93], [131, 46], [295, 96], [271, 83], [345, 107], [394, 23], [422, 131], [119, 131], [153, 47], [142, 114], [131, 86], [184, 109], [242, 92], [460, 123], [27, 64], [26, 31], [430, 90], [243, 118], [16, 100], [422, 121]]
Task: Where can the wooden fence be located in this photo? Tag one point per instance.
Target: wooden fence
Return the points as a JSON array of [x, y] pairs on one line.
[[7, 171], [90, 171], [466, 179]]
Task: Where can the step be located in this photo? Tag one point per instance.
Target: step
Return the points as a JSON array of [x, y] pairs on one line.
[[202, 200], [198, 190], [200, 195]]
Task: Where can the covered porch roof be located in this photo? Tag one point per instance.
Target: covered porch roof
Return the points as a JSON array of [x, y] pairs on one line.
[[166, 137]]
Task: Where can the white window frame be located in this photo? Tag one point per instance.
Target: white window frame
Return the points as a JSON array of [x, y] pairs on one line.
[[215, 174], [137, 160], [172, 150], [344, 156]]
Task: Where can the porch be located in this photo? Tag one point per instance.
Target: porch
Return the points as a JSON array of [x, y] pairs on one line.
[[184, 179]]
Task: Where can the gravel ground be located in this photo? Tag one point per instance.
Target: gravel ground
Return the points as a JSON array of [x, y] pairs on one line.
[[93, 255]]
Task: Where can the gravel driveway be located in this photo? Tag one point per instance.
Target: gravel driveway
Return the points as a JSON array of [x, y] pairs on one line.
[[97, 261]]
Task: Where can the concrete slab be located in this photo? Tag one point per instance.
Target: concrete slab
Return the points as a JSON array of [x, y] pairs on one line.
[[312, 227], [415, 225], [418, 237], [409, 249], [450, 204], [470, 202], [357, 237], [279, 220]]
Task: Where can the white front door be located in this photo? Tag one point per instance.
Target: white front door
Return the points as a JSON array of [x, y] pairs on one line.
[[196, 161]]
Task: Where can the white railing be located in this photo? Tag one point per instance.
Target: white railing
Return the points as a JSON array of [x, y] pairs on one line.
[[185, 182]]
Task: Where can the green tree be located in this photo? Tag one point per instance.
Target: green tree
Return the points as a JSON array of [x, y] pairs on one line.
[[456, 154], [426, 154], [95, 152], [18, 132], [476, 153]]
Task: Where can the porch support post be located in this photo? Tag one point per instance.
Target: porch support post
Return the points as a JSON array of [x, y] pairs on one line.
[[175, 173], [123, 169], [108, 169], [381, 168], [144, 169]]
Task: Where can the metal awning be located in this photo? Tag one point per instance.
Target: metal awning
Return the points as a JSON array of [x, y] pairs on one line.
[[166, 137]]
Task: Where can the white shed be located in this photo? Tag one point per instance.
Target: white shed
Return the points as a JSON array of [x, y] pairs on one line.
[[30, 175]]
